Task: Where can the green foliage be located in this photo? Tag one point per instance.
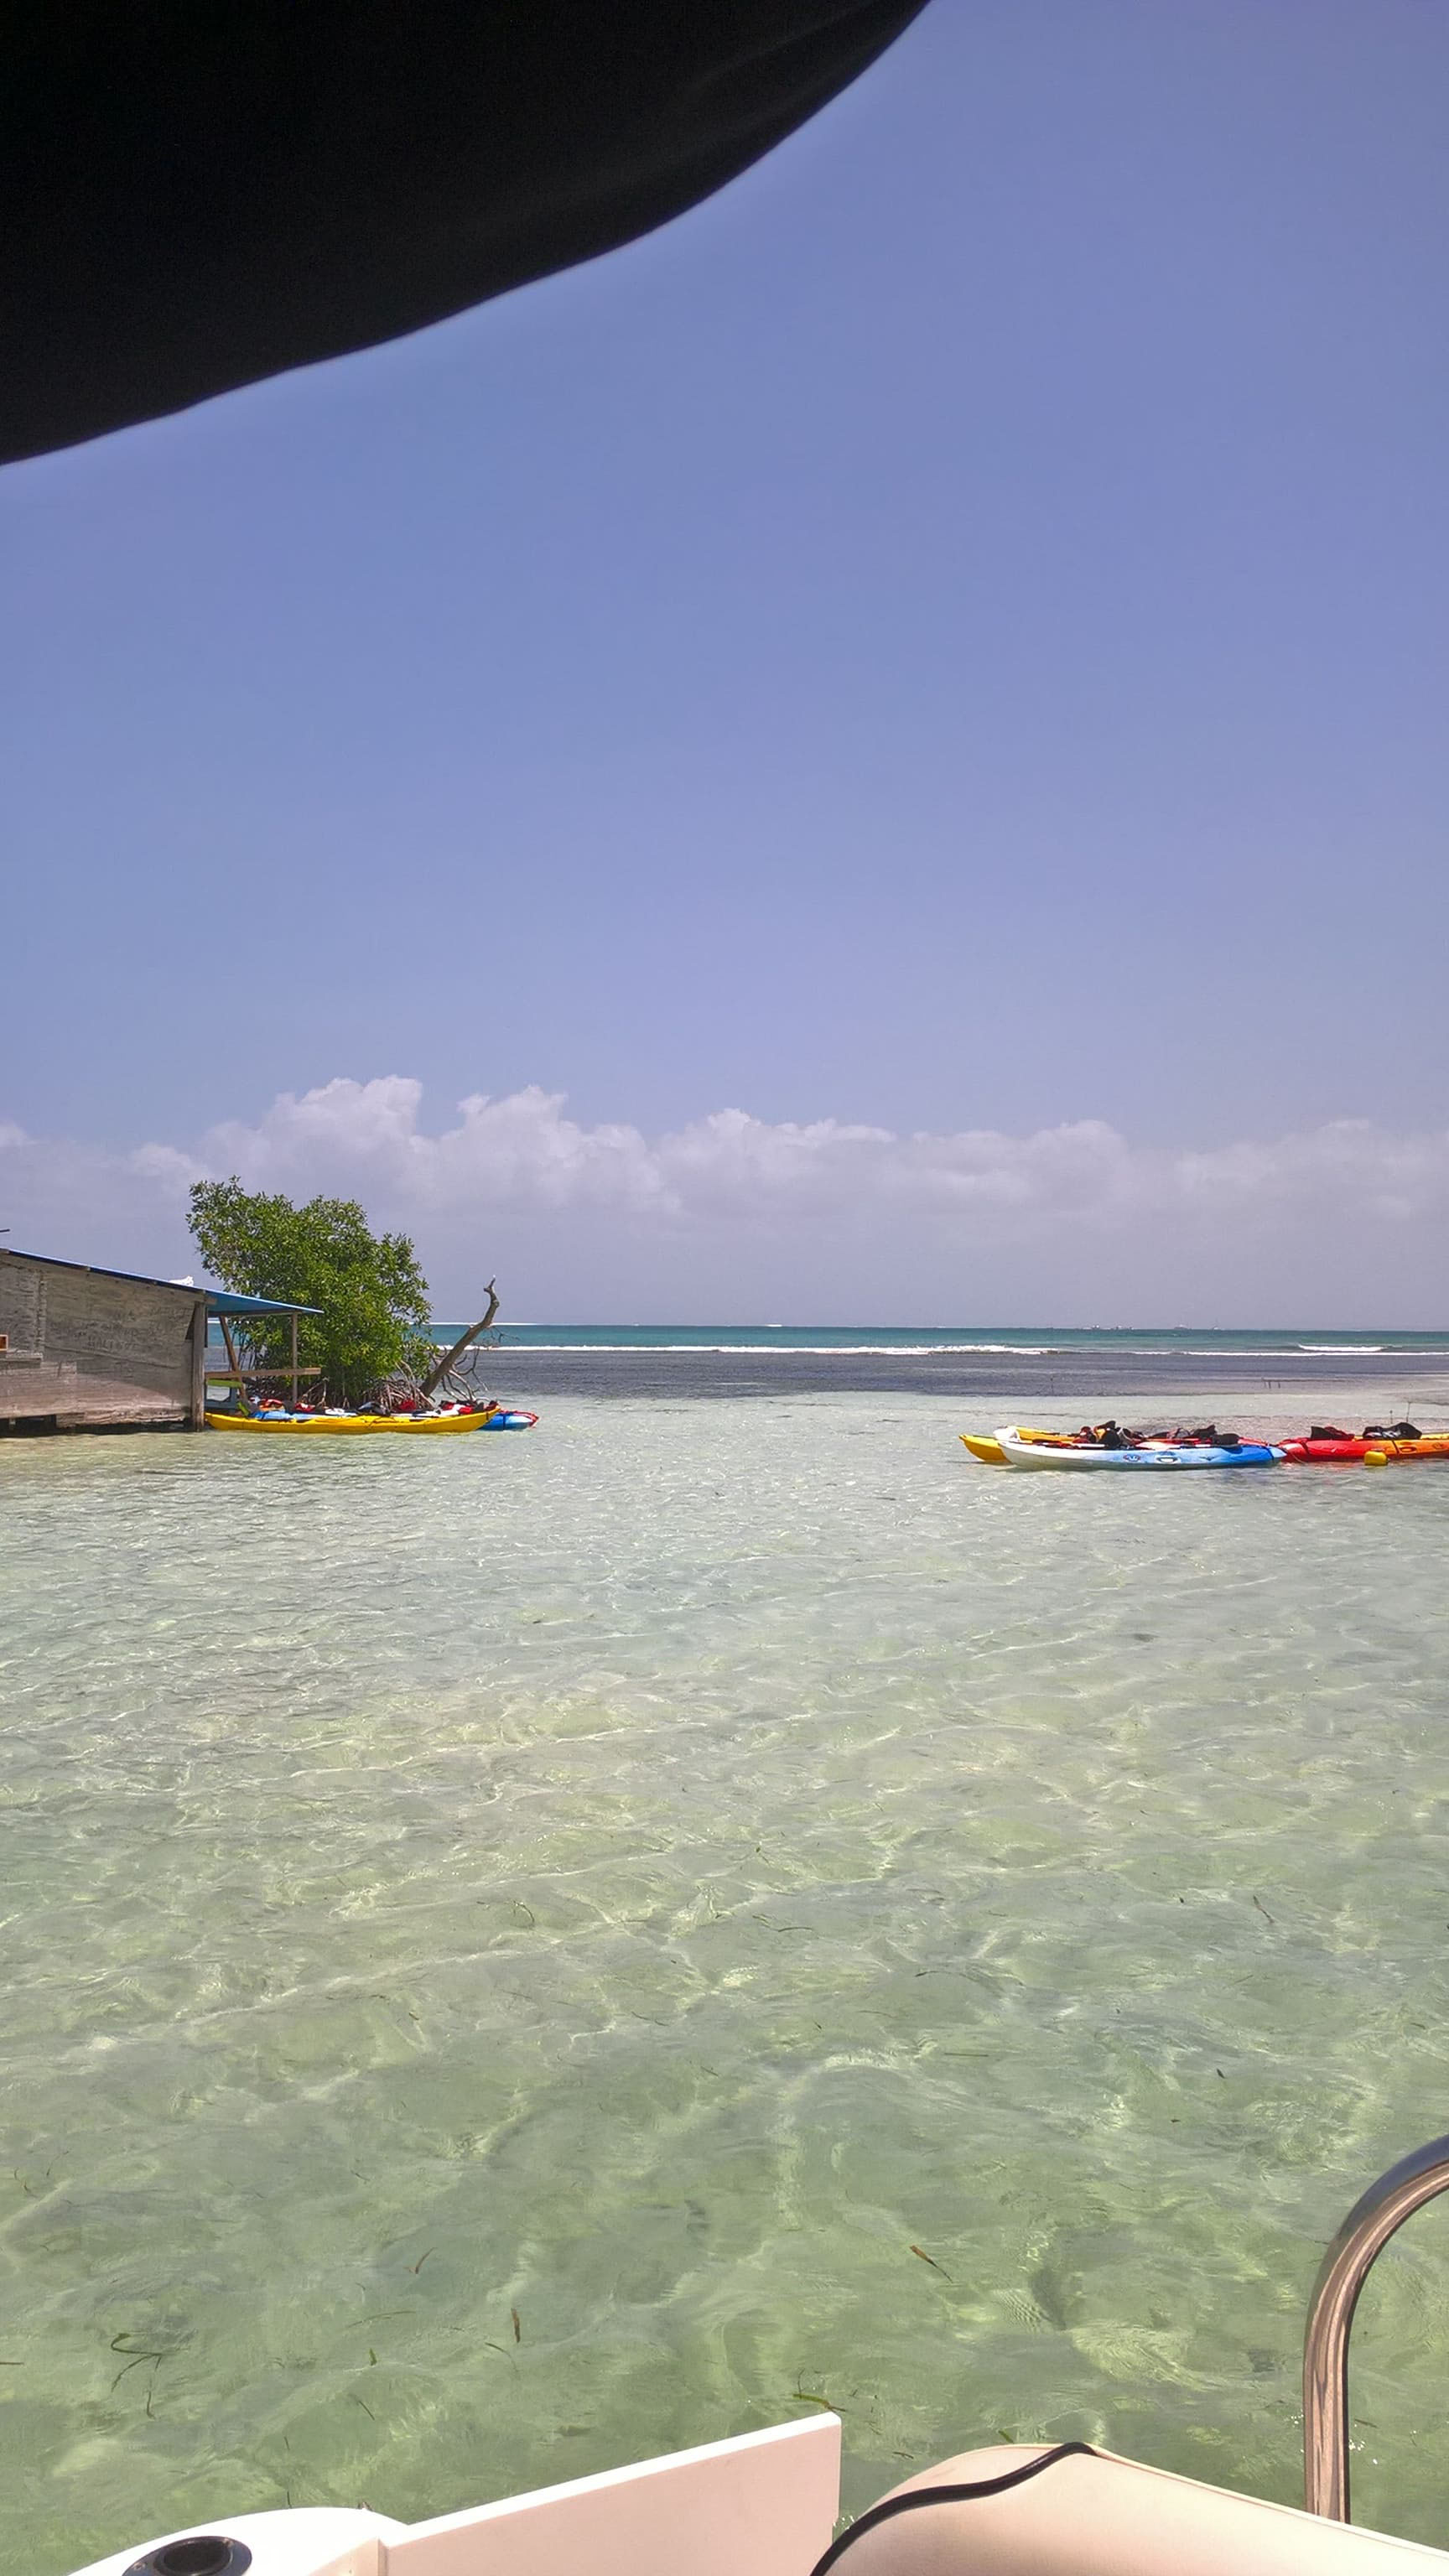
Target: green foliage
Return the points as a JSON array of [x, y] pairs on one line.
[[373, 1296]]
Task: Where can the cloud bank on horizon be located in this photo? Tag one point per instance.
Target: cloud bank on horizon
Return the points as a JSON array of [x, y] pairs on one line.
[[733, 1218]]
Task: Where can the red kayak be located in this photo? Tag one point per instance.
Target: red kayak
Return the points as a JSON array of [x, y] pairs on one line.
[[1337, 1452], [1345, 1452]]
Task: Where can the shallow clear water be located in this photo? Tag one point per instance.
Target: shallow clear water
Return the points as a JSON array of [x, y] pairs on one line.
[[510, 1946]]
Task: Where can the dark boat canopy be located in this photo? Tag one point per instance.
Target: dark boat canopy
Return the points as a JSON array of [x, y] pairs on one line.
[[198, 193]]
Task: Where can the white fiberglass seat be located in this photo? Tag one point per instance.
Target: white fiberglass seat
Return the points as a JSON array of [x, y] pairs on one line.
[[1087, 2513]]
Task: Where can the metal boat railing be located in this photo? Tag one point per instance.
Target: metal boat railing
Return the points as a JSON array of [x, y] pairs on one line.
[[1345, 2268]]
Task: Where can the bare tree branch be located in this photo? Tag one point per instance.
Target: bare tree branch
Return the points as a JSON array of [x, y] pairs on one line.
[[459, 1347]]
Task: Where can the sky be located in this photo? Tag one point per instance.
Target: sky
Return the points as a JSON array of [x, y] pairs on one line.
[[879, 754]]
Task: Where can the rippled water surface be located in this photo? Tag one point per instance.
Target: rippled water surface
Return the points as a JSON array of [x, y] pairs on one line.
[[516, 1951]]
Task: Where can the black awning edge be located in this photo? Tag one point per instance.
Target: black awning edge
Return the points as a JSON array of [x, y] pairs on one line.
[[195, 194]]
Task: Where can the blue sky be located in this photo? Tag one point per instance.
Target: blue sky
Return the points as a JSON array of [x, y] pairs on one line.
[[949, 636]]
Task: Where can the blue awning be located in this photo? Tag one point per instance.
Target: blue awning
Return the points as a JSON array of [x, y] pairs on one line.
[[225, 1301]]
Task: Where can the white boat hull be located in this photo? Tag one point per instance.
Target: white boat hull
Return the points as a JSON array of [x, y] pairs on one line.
[[766, 2505]]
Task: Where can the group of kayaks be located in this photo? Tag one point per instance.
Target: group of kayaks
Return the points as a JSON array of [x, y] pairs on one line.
[[415, 1426], [1107, 1445]]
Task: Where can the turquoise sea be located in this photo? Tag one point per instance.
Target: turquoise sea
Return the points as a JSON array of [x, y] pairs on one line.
[[525, 1952], [1178, 1341], [1024, 1369]]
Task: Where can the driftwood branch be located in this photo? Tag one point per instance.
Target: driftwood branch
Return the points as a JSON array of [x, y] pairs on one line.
[[435, 1375]]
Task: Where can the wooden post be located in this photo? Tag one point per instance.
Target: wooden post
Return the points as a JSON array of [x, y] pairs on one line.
[[294, 1359], [236, 1373], [196, 1420]]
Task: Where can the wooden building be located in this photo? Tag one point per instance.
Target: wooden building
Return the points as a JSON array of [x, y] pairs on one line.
[[98, 1350]]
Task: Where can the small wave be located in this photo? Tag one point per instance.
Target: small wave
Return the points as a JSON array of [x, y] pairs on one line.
[[1250, 1354], [1229, 1350], [1314, 1350], [519, 1340], [793, 1350]]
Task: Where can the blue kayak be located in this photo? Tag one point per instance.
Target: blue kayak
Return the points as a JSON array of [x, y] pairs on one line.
[[1037, 1452]]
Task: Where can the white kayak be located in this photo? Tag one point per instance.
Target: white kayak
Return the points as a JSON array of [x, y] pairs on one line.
[[1018, 1451]]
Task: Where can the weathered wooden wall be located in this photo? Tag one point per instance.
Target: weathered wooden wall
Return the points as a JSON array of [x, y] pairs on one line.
[[88, 1351]]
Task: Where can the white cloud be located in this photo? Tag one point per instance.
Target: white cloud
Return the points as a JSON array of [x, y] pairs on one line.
[[1344, 1220]]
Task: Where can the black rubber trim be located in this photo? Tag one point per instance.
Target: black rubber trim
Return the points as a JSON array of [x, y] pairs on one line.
[[978, 2487]]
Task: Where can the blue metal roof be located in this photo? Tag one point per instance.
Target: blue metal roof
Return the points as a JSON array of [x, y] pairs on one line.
[[225, 1301], [94, 1270], [219, 1301]]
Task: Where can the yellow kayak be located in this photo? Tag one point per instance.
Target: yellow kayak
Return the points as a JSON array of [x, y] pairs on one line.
[[991, 1453], [422, 1423], [310, 1426], [315, 1426]]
